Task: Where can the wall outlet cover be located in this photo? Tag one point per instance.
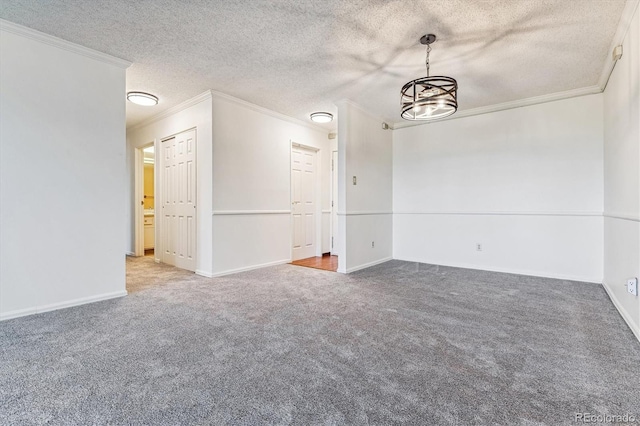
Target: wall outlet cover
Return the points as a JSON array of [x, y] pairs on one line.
[[632, 286]]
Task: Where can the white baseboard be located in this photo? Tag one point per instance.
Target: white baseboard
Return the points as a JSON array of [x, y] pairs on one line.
[[250, 268], [204, 273], [130, 253], [625, 316], [587, 279], [61, 305], [366, 265]]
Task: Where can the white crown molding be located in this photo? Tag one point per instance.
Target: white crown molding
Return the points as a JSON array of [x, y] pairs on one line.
[[590, 90], [170, 111], [618, 38], [362, 110], [266, 111], [62, 44]]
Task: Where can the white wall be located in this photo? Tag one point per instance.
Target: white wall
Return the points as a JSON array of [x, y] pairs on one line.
[[622, 178], [525, 183], [195, 113], [62, 150], [364, 151], [252, 184]]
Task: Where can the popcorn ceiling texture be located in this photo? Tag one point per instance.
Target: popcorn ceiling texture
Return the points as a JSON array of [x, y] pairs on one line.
[[296, 57]]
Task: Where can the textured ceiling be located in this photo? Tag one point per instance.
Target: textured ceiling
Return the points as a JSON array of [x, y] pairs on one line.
[[297, 56]]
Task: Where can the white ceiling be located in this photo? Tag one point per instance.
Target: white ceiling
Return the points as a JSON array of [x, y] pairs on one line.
[[297, 56]]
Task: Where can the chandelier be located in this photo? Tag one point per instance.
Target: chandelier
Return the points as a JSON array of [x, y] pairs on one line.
[[429, 98]]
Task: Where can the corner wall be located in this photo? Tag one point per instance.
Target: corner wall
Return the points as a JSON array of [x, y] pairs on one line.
[[252, 184], [365, 208], [524, 183], [195, 113], [622, 178], [63, 115]]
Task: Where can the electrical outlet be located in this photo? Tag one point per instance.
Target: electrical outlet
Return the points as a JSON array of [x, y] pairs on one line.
[[355, 181], [373, 244], [478, 247], [632, 286]]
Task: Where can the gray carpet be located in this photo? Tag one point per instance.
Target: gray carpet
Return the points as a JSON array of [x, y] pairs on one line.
[[399, 343]]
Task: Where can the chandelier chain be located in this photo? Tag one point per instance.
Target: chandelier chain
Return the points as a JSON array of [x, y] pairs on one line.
[[427, 61]]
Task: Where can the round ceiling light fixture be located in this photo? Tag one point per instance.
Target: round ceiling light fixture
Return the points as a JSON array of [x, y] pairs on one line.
[[142, 98], [429, 98], [321, 117]]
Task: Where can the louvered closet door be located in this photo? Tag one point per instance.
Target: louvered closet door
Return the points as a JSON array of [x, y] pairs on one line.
[[178, 186]]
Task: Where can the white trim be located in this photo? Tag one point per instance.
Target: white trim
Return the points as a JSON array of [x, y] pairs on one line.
[[250, 268], [263, 110], [622, 216], [170, 111], [504, 213], [623, 313], [364, 111], [62, 44], [61, 305], [618, 38], [551, 97], [204, 273], [367, 265], [586, 279], [365, 213], [248, 212], [130, 253]]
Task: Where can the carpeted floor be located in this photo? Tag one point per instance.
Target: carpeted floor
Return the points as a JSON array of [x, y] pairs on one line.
[[397, 343]]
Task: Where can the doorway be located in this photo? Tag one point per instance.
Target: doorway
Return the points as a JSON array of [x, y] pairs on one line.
[[148, 200], [145, 195]]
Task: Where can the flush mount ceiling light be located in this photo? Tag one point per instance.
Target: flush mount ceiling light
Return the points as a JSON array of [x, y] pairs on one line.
[[429, 98], [321, 117], [141, 98]]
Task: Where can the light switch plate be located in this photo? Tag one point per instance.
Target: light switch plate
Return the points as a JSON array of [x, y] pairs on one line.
[[632, 286]]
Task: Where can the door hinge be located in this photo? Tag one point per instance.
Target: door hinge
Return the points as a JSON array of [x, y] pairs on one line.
[[331, 203], [331, 242]]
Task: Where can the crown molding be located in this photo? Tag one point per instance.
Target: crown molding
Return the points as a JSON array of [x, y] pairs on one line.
[[364, 111], [266, 111], [173, 110], [618, 38], [62, 44], [590, 90], [621, 32]]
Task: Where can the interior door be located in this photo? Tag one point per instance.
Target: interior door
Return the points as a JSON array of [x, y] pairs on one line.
[[303, 202], [178, 186]]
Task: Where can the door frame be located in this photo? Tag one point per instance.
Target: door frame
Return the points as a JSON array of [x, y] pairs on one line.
[[333, 224], [138, 243], [318, 198]]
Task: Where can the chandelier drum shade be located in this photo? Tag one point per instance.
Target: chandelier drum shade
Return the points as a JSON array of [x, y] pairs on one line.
[[429, 98]]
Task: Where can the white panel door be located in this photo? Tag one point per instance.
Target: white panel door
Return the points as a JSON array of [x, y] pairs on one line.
[[178, 186], [303, 202]]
